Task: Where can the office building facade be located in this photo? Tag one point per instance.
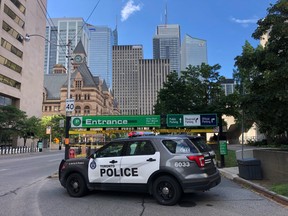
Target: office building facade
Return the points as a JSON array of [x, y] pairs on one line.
[[102, 39], [125, 60], [21, 67], [167, 44], [58, 33], [152, 75], [193, 52]]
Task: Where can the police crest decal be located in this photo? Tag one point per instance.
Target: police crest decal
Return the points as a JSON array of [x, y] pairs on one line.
[[93, 165]]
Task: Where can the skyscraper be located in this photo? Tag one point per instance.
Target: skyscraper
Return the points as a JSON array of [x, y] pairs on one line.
[[193, 52], [102, 39], [125, 77], [166, 45], [152, 75], [58, 32]]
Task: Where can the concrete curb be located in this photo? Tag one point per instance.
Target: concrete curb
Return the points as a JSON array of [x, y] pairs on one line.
[[255, 187]]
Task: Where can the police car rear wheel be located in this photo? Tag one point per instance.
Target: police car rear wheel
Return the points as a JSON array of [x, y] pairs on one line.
[[75, 185], [166, 190]]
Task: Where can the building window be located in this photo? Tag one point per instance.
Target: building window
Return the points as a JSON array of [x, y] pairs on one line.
[[7, 63], [4, 101], [19, 6], [87, 97], [14, 16], [11, 48], [10, 82], [77, 110], [12, 32], [78, 84], [86, 110]]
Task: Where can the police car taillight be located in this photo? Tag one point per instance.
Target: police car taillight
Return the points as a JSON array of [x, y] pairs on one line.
[[199, 159]]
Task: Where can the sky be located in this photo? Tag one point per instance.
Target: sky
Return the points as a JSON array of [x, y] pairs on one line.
[[224, 24]]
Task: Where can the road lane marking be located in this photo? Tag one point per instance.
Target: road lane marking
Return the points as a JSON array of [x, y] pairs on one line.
[[3, 170]]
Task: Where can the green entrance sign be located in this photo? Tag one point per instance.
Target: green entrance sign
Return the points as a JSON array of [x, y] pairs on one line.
[[115, 121], [223, 147]]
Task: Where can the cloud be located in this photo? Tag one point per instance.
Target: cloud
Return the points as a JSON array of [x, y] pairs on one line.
[[244, 22], [129, 9]]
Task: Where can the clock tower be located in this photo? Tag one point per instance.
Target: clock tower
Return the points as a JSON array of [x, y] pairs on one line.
[[79, 55]]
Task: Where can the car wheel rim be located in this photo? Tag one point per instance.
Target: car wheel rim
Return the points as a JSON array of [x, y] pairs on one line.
[[165, 190], [74, 185]]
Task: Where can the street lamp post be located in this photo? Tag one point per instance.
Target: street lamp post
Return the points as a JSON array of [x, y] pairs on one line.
[[68, 111]]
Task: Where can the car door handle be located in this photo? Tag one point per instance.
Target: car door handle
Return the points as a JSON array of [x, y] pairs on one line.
[[113, 161], [151, 159]]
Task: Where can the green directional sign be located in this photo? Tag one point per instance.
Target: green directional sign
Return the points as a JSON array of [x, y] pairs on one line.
[[115, 121], [175, 120]]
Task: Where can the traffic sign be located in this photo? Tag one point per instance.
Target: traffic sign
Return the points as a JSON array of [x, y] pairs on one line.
[[70, 105], [175, 120], [191, 120]]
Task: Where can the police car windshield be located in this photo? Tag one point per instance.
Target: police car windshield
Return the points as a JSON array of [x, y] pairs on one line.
[[179, 146]]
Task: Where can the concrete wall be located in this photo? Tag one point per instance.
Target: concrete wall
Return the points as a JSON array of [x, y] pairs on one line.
[[274, 164]]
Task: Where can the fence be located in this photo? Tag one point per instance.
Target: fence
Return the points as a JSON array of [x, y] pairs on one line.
[[4, 150]]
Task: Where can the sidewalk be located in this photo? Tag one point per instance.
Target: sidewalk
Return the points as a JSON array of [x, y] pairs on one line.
[[232, 174]]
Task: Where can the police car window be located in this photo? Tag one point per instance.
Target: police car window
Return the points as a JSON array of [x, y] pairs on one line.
[[179, 146], [111, 150], [140, 148], [201, 144]]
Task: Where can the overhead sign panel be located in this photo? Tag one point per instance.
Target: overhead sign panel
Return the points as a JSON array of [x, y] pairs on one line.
[[191, 120], [115, 121]]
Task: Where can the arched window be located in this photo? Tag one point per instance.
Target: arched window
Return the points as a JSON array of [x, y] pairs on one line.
[[77, 110], [86, 110]]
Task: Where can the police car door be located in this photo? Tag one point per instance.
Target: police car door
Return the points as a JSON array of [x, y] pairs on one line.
[[139, 162], [105, 168]]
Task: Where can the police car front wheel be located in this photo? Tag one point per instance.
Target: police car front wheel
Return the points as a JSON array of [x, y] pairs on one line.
[[166, 190], [75, 185]]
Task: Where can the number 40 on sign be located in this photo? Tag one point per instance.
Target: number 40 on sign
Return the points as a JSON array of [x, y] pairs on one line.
[[70, 105]]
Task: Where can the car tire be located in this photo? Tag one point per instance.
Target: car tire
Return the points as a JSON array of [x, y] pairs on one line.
[[166, 190], [75, 185]]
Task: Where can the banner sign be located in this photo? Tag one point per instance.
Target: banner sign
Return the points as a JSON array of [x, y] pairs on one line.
[[115, 121]]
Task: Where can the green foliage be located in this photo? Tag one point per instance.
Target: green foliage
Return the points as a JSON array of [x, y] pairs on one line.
[[54, 123], [263, 74], [197, 90], [12, 120]]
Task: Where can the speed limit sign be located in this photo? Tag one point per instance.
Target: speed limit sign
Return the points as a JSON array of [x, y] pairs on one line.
[[70, 105]]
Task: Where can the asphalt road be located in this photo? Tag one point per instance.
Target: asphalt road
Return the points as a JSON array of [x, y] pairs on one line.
[[26, 190]]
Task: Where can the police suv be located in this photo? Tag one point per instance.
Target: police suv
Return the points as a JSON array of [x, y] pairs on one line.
[[164, 166]]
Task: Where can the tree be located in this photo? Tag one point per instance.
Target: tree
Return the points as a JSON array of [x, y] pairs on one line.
[[197, 90], [263, 72], [54, 123], [30, 128], [11, 122]]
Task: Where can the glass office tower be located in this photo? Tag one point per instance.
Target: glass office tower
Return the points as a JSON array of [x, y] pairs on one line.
[[193, 52], [59, 31], [166, 45], [102, 39]]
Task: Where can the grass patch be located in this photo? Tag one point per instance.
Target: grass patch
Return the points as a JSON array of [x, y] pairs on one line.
[[281, 189], [230, 158]]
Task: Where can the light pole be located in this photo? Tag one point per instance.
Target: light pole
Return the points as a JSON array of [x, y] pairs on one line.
[[68, 111]]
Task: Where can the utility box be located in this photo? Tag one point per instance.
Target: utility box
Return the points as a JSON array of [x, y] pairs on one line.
[[250, 169]]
